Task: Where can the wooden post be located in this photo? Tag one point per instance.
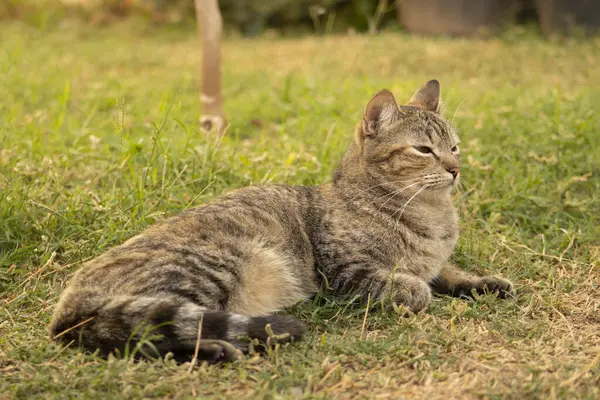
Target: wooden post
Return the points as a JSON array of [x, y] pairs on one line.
[[210, 27]]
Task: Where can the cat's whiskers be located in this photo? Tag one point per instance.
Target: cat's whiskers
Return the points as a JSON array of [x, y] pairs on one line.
[[391, 196], [432, 193], [382, 184], [394, 194], [461, 185], [434, 180], [409, 200], [456, 110]]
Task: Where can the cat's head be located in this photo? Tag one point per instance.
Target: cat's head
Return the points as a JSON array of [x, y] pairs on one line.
[[411, 146]]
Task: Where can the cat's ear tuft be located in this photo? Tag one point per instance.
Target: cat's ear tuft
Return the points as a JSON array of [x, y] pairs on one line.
[[381, 111], [427, 97]]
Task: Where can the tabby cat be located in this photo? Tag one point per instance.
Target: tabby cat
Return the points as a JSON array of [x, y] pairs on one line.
[[385, 227]]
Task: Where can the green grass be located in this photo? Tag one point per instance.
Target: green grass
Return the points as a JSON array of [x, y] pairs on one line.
[[99, 138]]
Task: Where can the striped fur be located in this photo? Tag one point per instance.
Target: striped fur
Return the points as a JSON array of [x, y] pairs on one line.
[[385, 227]]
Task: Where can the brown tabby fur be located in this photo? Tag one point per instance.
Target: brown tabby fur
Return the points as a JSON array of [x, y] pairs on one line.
[[385, 227]]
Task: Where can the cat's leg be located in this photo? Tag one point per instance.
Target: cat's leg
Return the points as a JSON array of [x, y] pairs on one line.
[[376, 283], [455, 282]]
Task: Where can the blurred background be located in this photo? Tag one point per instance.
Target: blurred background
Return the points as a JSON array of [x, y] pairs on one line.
[[292, 17]]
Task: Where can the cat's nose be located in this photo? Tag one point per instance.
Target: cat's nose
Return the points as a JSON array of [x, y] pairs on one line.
[[454, 171]]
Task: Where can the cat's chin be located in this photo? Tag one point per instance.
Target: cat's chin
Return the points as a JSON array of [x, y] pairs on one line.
[[444, 187], [441, 191]]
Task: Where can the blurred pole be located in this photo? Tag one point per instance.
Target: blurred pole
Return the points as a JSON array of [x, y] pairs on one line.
[[210, 26]]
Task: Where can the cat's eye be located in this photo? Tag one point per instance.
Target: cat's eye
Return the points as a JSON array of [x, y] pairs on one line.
[[424, 149], [454, 149]]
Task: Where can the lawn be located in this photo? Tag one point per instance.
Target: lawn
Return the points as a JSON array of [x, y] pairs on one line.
[[99, 138]]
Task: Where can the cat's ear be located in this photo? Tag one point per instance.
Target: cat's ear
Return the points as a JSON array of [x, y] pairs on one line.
[[381, 111], [427, 97]]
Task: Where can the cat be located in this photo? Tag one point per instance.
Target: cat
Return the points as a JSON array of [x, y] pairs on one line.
[[385, 226]]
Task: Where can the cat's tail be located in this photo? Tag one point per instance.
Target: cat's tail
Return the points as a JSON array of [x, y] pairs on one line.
[[153, 326]]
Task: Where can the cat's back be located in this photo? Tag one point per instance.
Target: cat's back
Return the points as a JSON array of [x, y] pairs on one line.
[[223, 233], [252, 211]]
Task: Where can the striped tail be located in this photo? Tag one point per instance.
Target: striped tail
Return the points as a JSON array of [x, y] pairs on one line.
[[154, 326]]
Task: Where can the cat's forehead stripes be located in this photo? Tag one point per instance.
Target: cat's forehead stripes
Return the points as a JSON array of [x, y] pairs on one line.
[[443, 131], [431, 125]]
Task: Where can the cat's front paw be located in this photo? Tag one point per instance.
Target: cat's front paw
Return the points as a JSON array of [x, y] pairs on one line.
[[494, 284], [411, 292]]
